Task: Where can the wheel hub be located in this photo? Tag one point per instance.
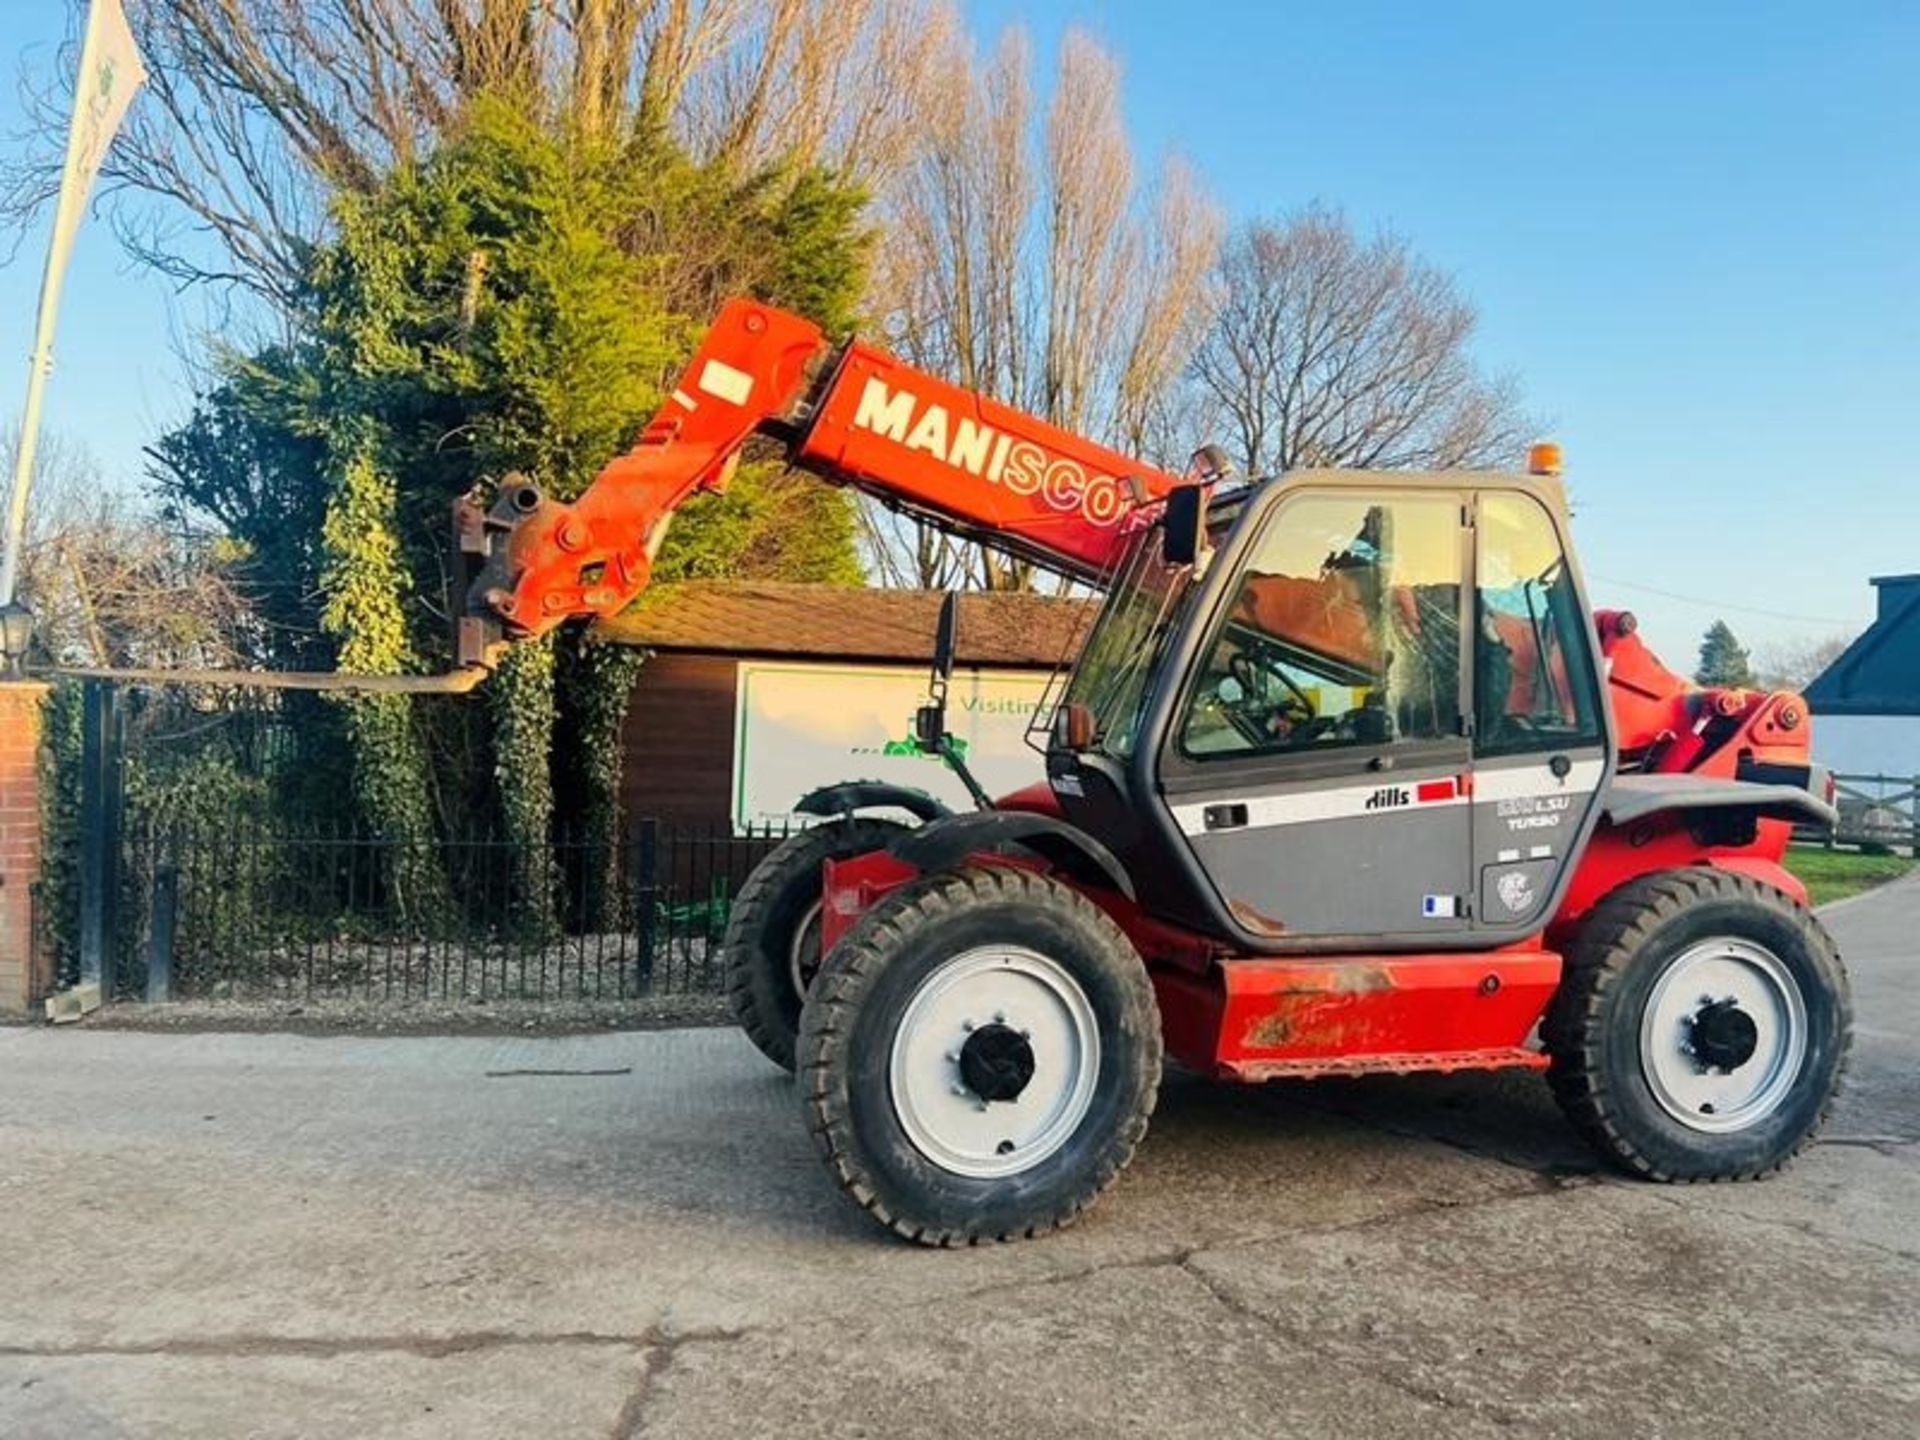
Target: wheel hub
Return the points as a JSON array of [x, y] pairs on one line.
[[996, 1062], [1722, 1035]]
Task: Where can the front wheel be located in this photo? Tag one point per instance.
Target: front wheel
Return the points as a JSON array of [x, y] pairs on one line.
[[1701, 1028], [979, 1056]]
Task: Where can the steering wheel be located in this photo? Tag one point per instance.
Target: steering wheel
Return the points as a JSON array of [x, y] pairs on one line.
[[1260, 720]]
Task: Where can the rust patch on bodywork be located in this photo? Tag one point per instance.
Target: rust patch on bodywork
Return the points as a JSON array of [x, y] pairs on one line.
[[1318, 1009], [1254, 920], [1269, 1032]]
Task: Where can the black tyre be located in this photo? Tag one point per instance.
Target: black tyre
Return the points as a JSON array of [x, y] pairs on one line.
[[1701, 1028], [979, 1056], [772, 945]]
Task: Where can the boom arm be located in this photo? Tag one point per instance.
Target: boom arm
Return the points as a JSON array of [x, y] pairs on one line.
[[854, 416]]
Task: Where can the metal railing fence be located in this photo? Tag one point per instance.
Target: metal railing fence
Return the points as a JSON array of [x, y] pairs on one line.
[[252, 908]]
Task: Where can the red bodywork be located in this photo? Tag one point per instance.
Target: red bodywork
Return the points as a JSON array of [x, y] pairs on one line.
[[858, 417]]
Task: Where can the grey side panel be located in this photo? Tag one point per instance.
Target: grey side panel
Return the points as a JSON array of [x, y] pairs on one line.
[[1633, 797], [1343, 856], [1530, 825]]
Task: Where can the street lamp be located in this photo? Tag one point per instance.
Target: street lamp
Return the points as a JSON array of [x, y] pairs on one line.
[[16, 634]]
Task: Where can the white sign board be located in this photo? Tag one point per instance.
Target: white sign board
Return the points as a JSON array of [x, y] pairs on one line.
[[798, 727]]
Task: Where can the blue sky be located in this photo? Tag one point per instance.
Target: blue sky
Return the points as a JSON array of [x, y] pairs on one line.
[[1692, 230]]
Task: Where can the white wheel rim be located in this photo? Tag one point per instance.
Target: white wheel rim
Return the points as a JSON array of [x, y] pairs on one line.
[[1709, 1098], [807, 929], [950, 1124]]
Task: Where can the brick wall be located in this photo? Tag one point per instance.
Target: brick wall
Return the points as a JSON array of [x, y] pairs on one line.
[[20, 983]]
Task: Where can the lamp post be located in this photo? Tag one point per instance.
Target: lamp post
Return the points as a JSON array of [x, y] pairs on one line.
[[16, 635]]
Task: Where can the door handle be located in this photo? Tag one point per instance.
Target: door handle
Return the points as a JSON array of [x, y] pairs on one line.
[[1224, 817], [1380, 762]]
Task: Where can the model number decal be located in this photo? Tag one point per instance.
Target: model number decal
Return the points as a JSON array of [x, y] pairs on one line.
[[1533, 812]]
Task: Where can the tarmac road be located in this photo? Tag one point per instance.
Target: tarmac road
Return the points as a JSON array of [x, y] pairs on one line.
[[260, 1235]]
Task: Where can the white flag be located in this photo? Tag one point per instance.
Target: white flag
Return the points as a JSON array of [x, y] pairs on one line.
[[110, 71]]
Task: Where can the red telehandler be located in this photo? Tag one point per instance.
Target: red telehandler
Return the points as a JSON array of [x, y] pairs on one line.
[[1347, 778]]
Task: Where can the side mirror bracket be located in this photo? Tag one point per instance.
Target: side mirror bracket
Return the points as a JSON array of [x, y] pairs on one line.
[[930, 733]]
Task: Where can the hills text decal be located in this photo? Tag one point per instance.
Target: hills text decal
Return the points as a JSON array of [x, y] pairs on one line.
[[978, 449]]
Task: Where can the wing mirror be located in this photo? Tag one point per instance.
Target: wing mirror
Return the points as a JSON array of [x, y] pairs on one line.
[[1183, 525], [930, 720], [945, 637], [1183, 534]]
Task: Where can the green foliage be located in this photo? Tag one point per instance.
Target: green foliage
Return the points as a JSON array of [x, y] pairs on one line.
[[597, 689], [518, 300], [817, 250], [520, 697], [253, 459], [1723, 660], [768, 523], [59, 899], [366, 584]]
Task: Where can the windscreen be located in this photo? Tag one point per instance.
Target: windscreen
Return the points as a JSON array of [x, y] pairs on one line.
[[1116, 667]]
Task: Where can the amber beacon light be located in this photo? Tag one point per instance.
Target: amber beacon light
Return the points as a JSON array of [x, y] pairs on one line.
[[1543, 458]]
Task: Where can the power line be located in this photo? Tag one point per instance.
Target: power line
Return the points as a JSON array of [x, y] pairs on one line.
[[1726, 605]]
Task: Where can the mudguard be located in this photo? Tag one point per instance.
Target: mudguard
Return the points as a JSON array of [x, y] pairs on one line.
[[1633, 797], [848, 797], [943, 843]]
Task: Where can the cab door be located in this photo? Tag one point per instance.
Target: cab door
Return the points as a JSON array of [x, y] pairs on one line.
[[1542, 753], [1317, 767]]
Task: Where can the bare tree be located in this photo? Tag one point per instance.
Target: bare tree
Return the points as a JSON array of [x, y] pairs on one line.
[[1794, 665], [1330, 350], [1021, 257], [110, 584], [259, 111]]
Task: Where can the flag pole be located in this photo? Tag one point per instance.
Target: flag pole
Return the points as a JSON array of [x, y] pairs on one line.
[[39, 365], [110, 72]]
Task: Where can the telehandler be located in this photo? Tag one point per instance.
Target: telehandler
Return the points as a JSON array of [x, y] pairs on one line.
[[1347, 778]]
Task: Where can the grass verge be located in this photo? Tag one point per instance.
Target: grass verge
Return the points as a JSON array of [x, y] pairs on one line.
[[1836, 874]]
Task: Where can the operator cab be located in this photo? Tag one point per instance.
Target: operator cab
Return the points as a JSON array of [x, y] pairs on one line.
[[1369, 711]]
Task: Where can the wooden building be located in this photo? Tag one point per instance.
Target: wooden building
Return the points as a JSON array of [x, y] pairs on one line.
[[709, 643]]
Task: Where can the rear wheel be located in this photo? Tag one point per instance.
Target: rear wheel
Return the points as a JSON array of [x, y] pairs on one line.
[[772, 944], [1701, 1028], [980, 1056]]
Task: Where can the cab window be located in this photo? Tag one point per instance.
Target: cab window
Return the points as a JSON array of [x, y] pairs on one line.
[[1534, 684], [1344, 630]]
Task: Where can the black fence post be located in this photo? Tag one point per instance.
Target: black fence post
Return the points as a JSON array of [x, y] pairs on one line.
[[166, 890], [102, 738], [646, 892]]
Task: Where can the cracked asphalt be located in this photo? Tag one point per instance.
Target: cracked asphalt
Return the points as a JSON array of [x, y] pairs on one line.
[[262, 1235]]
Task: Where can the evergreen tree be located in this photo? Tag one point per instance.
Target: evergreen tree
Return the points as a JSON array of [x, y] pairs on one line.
[[519, 300], [1723, 660]]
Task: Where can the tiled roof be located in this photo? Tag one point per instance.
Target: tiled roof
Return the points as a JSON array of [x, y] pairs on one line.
[[838, 622]]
